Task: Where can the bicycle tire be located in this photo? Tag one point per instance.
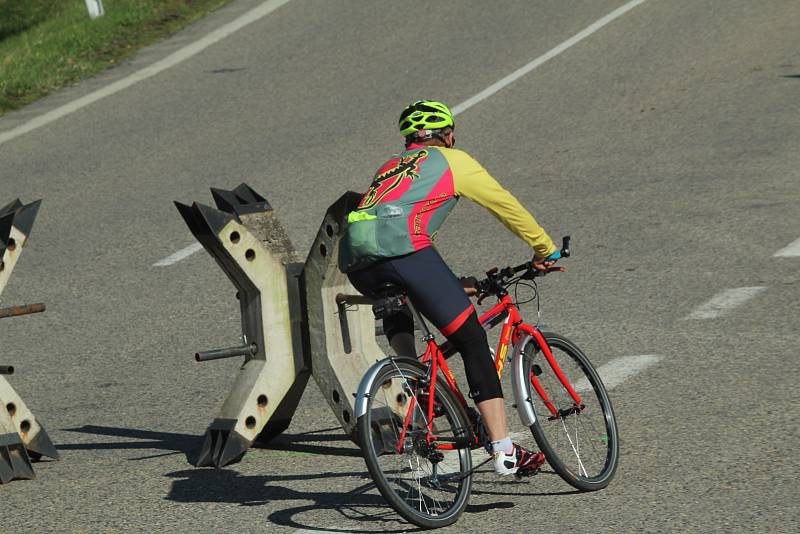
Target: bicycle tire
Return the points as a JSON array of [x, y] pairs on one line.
[[429, 495], [581, 445]]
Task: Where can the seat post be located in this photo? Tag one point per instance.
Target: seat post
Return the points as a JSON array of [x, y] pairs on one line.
[[418, 318]]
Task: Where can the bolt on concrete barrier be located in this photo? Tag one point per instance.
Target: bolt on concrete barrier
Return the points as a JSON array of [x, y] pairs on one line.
[[340, 322], [249, 244], [21, 435]]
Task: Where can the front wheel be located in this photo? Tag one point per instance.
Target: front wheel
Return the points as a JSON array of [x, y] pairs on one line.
[[426, 484], [580, 441]]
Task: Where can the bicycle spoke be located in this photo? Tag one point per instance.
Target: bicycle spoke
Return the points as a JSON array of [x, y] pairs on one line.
[[581, 469]]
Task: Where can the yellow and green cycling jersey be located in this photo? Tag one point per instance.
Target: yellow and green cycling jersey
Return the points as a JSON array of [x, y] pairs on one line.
[[413, 193]]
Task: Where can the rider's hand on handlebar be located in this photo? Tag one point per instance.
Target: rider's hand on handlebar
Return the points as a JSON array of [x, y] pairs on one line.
[[469, 283], [545, 265]]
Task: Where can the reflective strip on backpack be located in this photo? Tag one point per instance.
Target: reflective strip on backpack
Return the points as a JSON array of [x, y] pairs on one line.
[[355, 216]]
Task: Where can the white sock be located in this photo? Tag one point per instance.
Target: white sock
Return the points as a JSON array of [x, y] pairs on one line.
[[504, 445]]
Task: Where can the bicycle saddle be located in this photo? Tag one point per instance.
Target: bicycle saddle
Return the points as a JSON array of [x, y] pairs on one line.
[[391, 299], [390, 289]]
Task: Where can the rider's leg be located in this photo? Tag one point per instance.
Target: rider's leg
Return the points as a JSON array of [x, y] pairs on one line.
[[439, 296], [493, 414], [399, 330], [484, 384]]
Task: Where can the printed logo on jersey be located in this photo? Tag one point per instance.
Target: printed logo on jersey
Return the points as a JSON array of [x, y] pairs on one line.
[[429, 205], [391, 177]]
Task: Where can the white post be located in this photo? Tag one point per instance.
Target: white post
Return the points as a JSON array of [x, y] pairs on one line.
[[95, 8]]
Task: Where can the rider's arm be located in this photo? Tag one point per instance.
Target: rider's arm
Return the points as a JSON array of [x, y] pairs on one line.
[[471, 180]]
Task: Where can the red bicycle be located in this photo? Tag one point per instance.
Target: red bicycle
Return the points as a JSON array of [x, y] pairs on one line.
[[417, 431]]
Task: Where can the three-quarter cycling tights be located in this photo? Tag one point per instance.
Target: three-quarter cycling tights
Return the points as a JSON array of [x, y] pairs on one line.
[[439, 296]]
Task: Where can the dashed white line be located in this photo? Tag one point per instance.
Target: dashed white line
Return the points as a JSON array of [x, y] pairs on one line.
[[723, 302], [618, 370], [173, 59], [792, 250], [519, 73], [178, 256]]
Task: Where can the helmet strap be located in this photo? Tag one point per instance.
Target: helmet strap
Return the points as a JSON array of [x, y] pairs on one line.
[[426, 135]]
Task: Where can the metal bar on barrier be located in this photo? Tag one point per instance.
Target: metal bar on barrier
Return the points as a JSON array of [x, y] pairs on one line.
[[6, 370], [341, 298], [15, 311], [232, 352], [342, 301]]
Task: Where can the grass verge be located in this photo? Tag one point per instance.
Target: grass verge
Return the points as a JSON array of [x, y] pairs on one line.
[[49, 44]]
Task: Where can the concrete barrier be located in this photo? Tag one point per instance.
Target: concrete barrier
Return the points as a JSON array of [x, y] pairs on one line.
[[251, 247], [340, 322], [21, 435], [16, 221], [33, 436], [14, 461]]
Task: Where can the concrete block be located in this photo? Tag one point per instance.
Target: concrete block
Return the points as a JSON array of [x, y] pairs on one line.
[[252, 248], [16, 221], [342, 340], [33, 435], [14, 461]]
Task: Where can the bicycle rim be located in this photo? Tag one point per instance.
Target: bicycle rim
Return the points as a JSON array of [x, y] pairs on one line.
[[427, 490], [581, 442]]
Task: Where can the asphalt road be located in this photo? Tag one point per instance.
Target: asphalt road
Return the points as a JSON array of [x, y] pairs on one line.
[[666, 143]]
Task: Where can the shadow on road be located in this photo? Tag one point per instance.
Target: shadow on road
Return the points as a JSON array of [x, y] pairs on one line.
[[227, 486], [363, 504], [188, 444]]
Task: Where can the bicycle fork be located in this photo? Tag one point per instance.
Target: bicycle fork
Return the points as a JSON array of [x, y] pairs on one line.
[[521, 379]]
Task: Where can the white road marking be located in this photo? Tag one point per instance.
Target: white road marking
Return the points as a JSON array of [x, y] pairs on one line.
[[722, 303], [792, 250], [619, 370], [519, 73], [178, 256], [173, 59]]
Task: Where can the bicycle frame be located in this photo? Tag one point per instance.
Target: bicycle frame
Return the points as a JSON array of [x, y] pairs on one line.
[[513, 330]]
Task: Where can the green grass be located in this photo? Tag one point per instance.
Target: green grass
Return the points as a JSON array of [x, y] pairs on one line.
[[48, 44]]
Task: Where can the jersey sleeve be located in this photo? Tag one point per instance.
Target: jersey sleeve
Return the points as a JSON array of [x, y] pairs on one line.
[[472, 181]]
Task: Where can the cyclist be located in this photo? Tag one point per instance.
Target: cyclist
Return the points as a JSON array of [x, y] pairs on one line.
[[389, 239]]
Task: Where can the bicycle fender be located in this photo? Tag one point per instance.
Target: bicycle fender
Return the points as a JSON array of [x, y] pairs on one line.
[[366, 384], [519, 382]]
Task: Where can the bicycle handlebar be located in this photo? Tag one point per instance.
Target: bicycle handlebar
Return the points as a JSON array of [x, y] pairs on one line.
[[496, 278]]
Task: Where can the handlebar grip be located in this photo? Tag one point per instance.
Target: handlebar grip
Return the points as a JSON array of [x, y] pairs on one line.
[[565, 246]]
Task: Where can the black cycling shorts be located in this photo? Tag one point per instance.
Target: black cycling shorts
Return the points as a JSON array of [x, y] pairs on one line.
[[439, 296]]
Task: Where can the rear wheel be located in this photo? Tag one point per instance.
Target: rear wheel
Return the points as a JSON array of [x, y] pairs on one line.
[[428, 486], [580, 441]]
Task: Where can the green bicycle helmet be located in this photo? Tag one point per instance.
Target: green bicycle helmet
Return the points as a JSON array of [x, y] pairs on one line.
[[425, 115]]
